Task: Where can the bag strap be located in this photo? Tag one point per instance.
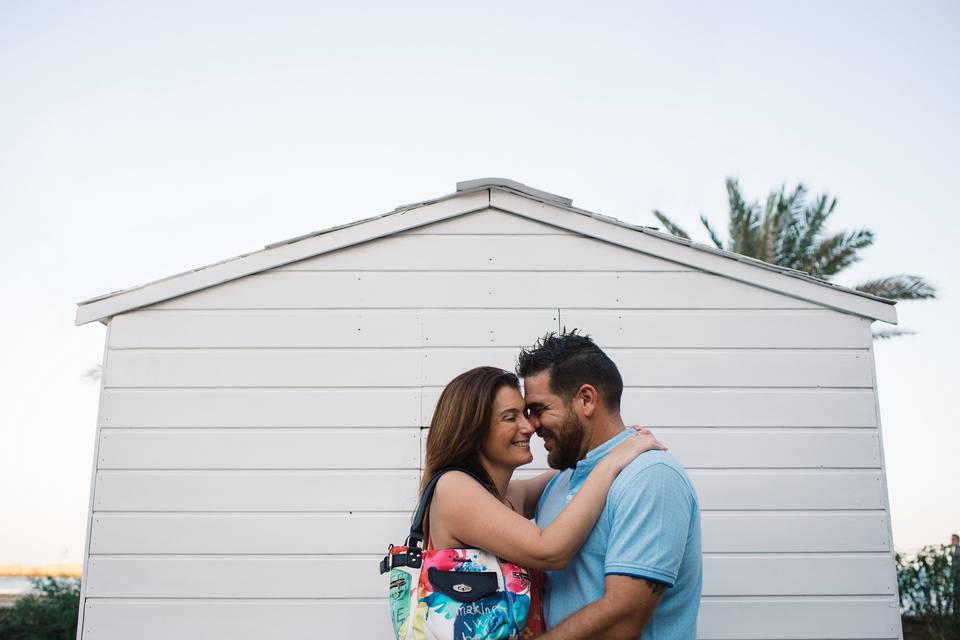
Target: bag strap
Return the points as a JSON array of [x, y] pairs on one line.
[[415, 539], [412, 555]]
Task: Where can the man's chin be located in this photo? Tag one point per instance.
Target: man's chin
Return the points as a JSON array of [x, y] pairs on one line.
[[555, 461]]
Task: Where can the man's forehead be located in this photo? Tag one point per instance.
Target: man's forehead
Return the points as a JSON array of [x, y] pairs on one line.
[[536, 388]]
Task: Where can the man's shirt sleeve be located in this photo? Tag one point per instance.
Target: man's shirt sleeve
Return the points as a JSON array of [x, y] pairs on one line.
[[649, 515]]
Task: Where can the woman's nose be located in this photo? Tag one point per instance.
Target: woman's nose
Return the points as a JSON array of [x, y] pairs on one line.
[[527, 427]]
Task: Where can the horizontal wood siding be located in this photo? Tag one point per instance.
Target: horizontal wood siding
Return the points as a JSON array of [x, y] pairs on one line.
[[498, 224], [729, 329], [259, 449], [256, 490], [347, 576], [260, 441], [759, 448], [318, 407], [782, 618], [389, 490], [464, 253], [789, 329], [310, 448], [482, 290], [370, 533], [113, 619], [403, 368], [738, 407]]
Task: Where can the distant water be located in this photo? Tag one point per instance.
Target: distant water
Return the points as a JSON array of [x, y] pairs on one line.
[[11, 585]]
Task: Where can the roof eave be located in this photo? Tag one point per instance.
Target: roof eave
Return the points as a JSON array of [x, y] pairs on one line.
[[512, 197]]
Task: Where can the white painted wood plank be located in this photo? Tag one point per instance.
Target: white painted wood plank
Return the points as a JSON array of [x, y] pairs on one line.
[[798, 618], [275, 448], [733, 368], [370, 533], [730, 267], [340, 290], [265, 368], [440, 366], [357, 577], [720, 619], [108, 619], [397, 328], [485, 253], [256, 490], [487, 222], [780, 491], [801, 574], [402, 367], [235, 577], [247, 533], [391, 491], [759, 532], [749, 408], [787, 490], [486, 327], [759, 448], [277, 255], [691, 367], [734, 407], [276, 328], [261, 408], [814, 329]]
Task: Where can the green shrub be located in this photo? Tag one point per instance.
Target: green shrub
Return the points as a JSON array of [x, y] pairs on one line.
[[929, 586], [48, 613]]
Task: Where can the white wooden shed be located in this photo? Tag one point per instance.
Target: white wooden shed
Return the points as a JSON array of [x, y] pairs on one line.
[[258, 443]]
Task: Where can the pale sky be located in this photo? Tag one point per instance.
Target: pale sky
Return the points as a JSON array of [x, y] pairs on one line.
[[139, 139]]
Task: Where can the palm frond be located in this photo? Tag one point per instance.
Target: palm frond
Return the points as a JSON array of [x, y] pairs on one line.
[[837, 252], [670, 226], [899, 287], [793, 206], [778, 217], [772, 212], [744, 232], [713, 234]]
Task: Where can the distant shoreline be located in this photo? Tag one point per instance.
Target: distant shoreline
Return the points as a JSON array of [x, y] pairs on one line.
[[59, 570], [7, 600]]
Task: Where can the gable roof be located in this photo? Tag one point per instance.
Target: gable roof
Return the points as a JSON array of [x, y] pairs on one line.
[[511, 197]]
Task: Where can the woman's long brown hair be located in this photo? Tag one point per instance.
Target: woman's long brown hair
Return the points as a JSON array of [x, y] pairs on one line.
[[461, 422]]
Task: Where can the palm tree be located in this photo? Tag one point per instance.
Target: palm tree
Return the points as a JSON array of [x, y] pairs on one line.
[[788, 230]]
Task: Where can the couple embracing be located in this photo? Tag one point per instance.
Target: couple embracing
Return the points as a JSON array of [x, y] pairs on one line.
[[605, 546]]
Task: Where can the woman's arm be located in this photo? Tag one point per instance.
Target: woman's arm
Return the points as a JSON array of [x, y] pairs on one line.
[[477, 519], [526, 493]]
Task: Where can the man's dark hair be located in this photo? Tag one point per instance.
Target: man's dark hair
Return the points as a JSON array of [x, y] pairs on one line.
[[573, 360]]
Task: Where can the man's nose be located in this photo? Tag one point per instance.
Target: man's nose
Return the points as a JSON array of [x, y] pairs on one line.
[[534, 421]]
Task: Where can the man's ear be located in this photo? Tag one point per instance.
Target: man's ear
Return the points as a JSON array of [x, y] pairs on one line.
[[588, 399]]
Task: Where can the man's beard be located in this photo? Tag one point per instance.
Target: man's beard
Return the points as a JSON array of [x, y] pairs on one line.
[[567, 442]]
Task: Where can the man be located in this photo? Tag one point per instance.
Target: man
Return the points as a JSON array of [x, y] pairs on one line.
[[639, 572]]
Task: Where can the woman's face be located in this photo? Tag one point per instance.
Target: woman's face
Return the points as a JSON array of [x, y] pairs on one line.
[[508, 442]]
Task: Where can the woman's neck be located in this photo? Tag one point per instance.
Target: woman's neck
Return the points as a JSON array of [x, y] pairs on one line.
[[499, 475]]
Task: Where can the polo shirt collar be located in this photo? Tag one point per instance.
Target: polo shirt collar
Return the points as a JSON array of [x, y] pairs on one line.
[[595, 455]]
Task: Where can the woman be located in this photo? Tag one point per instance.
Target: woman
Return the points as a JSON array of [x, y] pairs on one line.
[[480, 425]]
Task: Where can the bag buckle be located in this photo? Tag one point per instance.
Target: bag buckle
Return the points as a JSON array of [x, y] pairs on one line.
[[411, 557]]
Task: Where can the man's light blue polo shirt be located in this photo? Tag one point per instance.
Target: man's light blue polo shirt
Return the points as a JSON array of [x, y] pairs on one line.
[[649, 529]]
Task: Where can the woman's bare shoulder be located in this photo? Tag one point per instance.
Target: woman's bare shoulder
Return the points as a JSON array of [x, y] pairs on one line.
[[456, 484]]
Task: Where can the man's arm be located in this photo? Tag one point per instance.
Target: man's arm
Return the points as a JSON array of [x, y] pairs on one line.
[[622, 612]]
